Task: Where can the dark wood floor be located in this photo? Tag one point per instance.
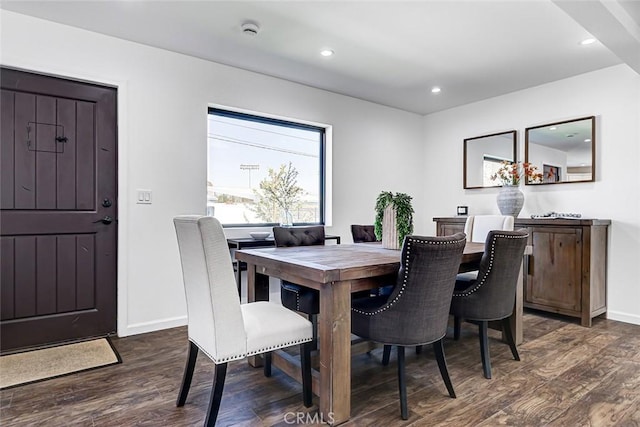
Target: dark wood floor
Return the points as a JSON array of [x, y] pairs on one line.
[[568, 376]]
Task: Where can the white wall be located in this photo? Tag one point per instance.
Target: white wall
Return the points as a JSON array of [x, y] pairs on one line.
[[162, 109], [613, 96]]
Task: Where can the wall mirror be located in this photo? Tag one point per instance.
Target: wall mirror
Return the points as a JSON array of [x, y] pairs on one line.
[[562, 151], [483, 156]]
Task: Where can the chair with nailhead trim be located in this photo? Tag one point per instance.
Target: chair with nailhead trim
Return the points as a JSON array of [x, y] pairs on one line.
[[492, 295], [367, 234], [417, 311], [297, 297], [218, 325], [476, 228]]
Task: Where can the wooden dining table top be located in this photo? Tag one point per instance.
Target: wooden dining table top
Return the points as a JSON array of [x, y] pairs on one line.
[[330, 263]]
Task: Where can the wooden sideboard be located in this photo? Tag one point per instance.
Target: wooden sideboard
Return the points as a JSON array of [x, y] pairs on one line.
[[566, 271]]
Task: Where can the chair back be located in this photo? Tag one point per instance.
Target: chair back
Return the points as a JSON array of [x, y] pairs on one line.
[[363, 233], [417, 311], [492, 295], [215, 321], [299, 236], [477, 227]]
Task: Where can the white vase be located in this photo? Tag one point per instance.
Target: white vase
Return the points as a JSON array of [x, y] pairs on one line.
[[389, 229], [510, 200]]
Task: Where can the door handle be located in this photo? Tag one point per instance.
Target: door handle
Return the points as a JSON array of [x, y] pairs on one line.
[[106, 220]]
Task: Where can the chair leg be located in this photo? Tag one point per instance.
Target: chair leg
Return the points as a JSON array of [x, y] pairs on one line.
[[386, 354], [457, 323], [438, 349], [267, 364], [305, 362], [484, 348], [188, 374], [216, 395], [402, 386], [506, 326]]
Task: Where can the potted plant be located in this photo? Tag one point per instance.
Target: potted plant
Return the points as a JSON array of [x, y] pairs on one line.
[[394, 218]]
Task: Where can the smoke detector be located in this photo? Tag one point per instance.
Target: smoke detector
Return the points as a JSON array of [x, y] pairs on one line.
[[250, 28]]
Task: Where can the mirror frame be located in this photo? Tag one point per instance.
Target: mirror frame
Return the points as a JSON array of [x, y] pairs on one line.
[[593, 149], [514, 136]]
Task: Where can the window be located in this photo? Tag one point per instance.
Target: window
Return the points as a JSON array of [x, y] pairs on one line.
[[264, 171]]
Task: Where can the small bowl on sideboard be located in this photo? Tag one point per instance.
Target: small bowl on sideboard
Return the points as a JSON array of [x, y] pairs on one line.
[[262, 235]]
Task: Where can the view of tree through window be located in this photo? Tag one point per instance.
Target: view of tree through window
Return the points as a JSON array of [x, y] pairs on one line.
[[264, 171]]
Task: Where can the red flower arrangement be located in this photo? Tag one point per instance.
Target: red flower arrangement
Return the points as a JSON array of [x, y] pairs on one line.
[[511, 173]]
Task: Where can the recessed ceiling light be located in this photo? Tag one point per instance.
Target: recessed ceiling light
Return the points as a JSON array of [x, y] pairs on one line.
[[553, 128], [587, 41], [587, 140], [326, 52], [436, 89]]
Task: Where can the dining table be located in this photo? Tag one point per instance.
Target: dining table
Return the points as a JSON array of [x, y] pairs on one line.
[[336, 271], [236, 243]]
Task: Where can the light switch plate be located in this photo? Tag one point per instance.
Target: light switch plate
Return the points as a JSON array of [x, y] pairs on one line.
[[143, 197]]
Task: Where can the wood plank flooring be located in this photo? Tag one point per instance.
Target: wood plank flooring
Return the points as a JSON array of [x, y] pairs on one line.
[[569, 376]]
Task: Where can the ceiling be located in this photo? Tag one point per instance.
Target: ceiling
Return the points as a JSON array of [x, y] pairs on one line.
[[388, 52]]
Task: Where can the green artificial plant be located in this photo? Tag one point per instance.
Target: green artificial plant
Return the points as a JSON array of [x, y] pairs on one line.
[[401, 202]]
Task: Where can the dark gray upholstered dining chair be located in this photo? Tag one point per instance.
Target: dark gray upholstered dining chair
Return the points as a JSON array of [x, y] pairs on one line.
[[477, 228], [492, 295], [218, 325], [417, 311], [363, 233], [296, 297], [366, 234]]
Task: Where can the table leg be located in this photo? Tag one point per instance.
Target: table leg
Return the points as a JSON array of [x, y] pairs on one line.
[[239, 276], [516, 317], [334, 333]]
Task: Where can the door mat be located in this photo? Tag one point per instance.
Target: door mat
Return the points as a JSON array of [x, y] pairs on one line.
[[39, 365]]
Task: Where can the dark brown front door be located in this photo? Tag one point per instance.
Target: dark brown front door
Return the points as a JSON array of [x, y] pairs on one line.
[[58, 201]]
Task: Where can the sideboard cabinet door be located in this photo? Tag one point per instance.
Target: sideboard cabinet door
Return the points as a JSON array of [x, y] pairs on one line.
[[554, 278], [448, 229]]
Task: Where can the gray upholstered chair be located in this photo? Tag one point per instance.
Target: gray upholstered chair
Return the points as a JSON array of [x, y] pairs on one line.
[[417, 311], [366, 234], [296, 297], [363, 233], [218, 324], [492, 295], [476, 228]]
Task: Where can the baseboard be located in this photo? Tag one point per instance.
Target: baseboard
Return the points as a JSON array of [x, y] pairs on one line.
[[156, 325], [623, 317]]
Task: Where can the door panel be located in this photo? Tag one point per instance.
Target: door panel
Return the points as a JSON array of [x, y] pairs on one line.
[[66, 165], [59, 156], [24, 169], [46, 274], [45, 148], [7, 159], [7, 275]]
